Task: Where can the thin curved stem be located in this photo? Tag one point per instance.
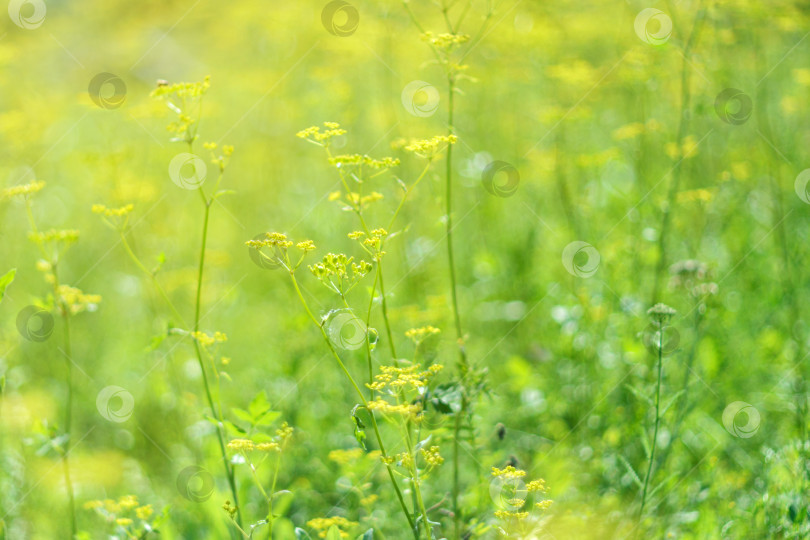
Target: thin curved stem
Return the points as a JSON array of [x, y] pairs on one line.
[[657, 420]]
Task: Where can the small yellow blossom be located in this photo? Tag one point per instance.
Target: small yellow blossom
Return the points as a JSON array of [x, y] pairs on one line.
[[25, 190]]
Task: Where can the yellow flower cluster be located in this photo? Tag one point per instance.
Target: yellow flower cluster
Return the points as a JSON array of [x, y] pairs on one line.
[[535, 486], [121, 506], [113, 212], [272, 239], [246, 445], [306, 245], [432, 456], [182, 90], [504, 514], [77, 301], [25, 189], [322, 138], [445, 41], [388, 408], [284, 432], [68, 236], [396, 377], [508, 472], [207, 340], [418, 335], [355, 200], [343, 457], [339, 272], [324, 524], [357, 159], [429, 148], [687, 149]]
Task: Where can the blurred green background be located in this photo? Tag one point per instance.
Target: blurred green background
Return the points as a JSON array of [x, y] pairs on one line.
[[567, 92]]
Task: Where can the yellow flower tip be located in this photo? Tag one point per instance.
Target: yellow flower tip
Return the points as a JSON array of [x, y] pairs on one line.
[[503, 514], [508, 472], [123, 521], [418, 335], [241, 445], [24, 189], [331, 125], [543, 505], [210, 145], [306, 245], [113, 212], [144, 512], [344, 457], [285, 431], [268, 447], [355, 235]]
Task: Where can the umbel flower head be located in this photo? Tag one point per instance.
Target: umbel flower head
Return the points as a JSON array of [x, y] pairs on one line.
[[660, 314]]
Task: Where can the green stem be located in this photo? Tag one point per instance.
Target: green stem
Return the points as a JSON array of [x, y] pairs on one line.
[[155, 281], [68, 422], [362, 400], [657, 420], [229, 472]]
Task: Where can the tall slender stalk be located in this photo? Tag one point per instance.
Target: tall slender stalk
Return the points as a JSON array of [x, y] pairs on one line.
[[683, 128], [68, 422], [362, 400], [657, 420], [229, 472]]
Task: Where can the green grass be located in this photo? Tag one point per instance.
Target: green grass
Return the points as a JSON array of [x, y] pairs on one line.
[[585, 170]]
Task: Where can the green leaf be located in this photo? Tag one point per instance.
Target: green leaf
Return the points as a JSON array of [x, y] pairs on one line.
[[333, 533], [359, 434], [242, 415], [368, 535], [5, 281], [259, 405], [301, 534], [446, 398], [671, 402], [632, 472]]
